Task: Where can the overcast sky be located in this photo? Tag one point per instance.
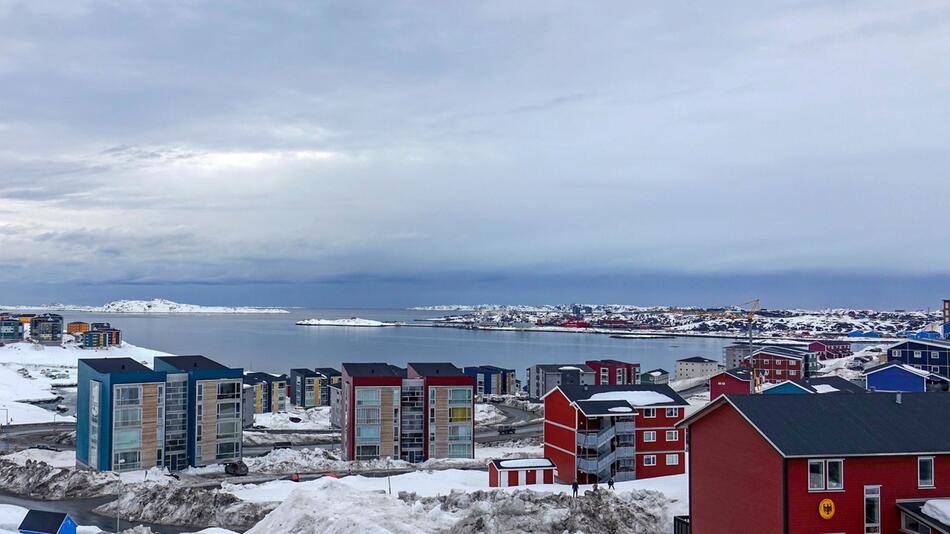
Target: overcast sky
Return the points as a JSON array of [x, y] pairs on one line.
[[389, 153]]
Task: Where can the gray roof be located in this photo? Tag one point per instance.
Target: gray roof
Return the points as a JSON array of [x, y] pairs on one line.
[[303, 371], [657, 370], [602, 408], [787, 352], [187, 363], [697, 359], [371, 369], [843, 385], [115, 365], [436, 369], [577, 393], [742, 373], [846, 425], [327, 371], [556, 367], [42, 521], [254, 378], [904, 367]]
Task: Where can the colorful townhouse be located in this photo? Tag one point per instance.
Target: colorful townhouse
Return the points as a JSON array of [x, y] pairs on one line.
[[270, 391], [806, 464], [491, 380], [11, 330], [925, 354], [733, 355], [305, 387], [47, 329], [331, 377], [655, 376], [696, 367], [101, 338], [542, 378], [593, 433], [736, 381], [77, 327], [614, 372], [897, 376], [185, 412], [830, 349], [423, 411], [778, 364], [812, 385]]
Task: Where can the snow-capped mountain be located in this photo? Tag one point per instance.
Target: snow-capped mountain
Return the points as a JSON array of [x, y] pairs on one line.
[[146, 306]]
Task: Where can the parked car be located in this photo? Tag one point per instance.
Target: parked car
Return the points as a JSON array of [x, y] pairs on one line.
[[237, 469], [282, 445], [506, 429]]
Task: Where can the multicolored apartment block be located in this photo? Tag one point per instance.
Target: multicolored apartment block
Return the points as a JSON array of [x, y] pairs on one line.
[[270, 391]]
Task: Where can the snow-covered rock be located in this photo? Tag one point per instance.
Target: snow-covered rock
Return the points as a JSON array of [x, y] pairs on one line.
[[352, 322]]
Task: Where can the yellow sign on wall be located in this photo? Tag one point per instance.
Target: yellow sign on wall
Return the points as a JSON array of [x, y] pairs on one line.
[[826, 508]]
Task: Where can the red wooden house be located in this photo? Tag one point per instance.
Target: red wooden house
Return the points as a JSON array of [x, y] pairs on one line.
[[626, 432], [738, 381], [778, 364], [520, 472], [614, 372], [807, 464], [830, 349]]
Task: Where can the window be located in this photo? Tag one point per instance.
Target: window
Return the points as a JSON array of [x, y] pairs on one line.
[[672, 435], [229, 390], [367, 452], [672, 459], [460, 450], [128, 395], [127, 439], [126, 460], [896, 354], [229, 410], [620, 379], [201, 392], [649, 460], [226, 451], [603, 375], [431, 396], [460, 415], [872, 509], [229, 429], [835, 470], [460, 432], [909, 524], [793, 373], [367, 433], [649, 413], [672, 412], [367, 415], [816, 475], [925, 472], [649, 435], [460, 396], [368, 396], [128, 417], [934, 355], [917, 354]]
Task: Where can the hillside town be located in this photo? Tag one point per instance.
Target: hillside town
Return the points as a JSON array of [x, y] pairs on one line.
[[821, 425]]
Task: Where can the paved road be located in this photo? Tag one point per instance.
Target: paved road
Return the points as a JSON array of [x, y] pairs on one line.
[[31, 435]]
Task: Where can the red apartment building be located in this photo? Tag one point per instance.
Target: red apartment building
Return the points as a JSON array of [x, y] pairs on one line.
[[626, 432], [614, 372], [828, 349], [807, 464], [778, 364], [738, 381], [421, 412]]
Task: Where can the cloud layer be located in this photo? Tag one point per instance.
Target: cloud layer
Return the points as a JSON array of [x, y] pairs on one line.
[[288, 142]]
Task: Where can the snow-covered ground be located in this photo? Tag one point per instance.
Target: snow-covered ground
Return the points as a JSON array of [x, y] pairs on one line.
[[145, 306], [352, 321], [839, 366], [310, 419], [488, 414]]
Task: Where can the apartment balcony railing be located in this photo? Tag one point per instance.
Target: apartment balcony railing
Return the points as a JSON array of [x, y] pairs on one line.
[[626, 452], [591, 465], [625, 427], [594, 440], [623, 476]]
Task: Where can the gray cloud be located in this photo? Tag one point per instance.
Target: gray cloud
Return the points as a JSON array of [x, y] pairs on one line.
[[346, 141]]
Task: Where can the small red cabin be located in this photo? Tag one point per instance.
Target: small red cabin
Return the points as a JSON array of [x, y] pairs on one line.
[[520, 472], [738, 381]]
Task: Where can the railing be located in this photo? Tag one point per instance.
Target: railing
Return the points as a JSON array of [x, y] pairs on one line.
[[624, 427], [596, 465], [595, 440], [681, 524], [623, 476], [626, 452]]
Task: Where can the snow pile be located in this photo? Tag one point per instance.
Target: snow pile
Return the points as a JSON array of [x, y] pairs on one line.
[[258, 439], [146, 306], [331, 507], [824, 388], [64, 459], [620, 409], [10, 518], [526, 462], [177, 504], [353, 321], [938, 509], [488, 414], [525, 404], [316, 461], [39, 479], [634, 398], [310, 419]]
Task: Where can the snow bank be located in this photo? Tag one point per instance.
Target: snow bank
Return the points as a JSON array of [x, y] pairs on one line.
[[938, 509], [10, 518], [620, 409], [63, 459], [353, 321], [146, 306], [311, 419], [824, 388], [488, 414], [635, 398]]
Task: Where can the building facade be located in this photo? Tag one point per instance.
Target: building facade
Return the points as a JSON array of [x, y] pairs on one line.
[[733, 355], [94, 339], [594, 433], [545, 377], [331, 377], [77, 327], [614, 372], [738, 381], [11, 331], [827, 349], [805, 464], [696, 367], [655, 376], [185, 412], [305, 388], [423, 411], [931, 355], [778, 364], [270, 391], [896, 376], [47, 329], [520, 472], [491, 380]]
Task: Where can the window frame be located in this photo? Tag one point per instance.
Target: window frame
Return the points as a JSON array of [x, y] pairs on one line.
[[649, 433], [676, 434], [933, 472], [649, 413], [649, 457], [674, 456], [821, 464]]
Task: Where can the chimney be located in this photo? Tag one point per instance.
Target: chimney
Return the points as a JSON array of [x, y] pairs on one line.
[[898, 399]]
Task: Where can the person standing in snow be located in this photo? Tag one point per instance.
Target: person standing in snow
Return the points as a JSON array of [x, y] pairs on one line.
[[610, 483], [574, 487]]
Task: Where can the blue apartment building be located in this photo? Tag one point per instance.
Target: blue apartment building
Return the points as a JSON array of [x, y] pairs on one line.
[[931, 355], [184, 412], [491, 380]]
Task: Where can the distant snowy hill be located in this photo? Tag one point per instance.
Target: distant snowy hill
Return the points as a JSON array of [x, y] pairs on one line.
[[146, 306], [353, 321]]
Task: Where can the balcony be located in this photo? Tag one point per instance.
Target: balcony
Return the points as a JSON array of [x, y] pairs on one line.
[[625, 427], [623, 476], [595, 440], [590, 465], [626, 452]]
